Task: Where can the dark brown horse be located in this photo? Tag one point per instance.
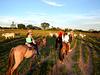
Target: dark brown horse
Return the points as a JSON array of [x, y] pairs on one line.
[[64, 51]]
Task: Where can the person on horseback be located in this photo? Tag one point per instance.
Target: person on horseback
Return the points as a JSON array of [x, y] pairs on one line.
[[59, 39], [65, 46], [30, 42], [65, 38], [71, 35]]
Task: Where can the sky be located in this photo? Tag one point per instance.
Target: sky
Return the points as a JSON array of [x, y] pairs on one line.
[[74, 14]]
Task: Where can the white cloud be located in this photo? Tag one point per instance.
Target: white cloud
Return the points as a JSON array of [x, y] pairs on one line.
[[63, 20], [52, 3]]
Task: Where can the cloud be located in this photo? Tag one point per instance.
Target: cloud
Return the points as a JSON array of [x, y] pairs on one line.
[[81, 21], [52, 3], [33, 18]]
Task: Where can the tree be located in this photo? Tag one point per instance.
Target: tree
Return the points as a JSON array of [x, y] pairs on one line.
[[13, 25], [30, 26], [21, 26], [68, 29], [36, 28], [45, 25]]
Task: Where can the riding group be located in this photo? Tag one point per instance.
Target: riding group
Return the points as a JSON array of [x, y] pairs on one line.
[[30, 49], [63, 43]]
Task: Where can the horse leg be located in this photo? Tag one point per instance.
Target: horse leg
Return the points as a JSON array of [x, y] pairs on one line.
[[14, 67], [18, 60], [68, 47], [31, 61], [16, 72], [60, 55]]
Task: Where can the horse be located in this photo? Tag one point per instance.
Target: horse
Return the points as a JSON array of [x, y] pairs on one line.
[[16, 56], [82, 35], [66, 41], [64, 50], [41, 42], [44, 41]]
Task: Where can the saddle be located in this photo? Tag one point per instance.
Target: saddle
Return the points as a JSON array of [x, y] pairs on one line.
[[65, 47], [29, 48]]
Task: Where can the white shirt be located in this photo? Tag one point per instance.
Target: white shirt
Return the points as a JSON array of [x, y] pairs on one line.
[[65, 38]]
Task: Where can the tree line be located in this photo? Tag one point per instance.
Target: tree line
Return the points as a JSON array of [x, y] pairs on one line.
[[44, 26]]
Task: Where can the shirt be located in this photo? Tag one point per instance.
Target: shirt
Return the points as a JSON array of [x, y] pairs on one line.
[[65, 38], [28, 40]]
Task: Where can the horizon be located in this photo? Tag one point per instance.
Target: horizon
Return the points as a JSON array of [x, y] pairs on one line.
[[79, 14]]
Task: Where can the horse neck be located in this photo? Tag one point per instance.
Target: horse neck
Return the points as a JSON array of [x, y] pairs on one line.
[[63, 44]]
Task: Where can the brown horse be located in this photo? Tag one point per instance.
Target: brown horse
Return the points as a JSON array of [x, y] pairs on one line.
[[65, 48], [41, 42], [64, 51], [17, 55]]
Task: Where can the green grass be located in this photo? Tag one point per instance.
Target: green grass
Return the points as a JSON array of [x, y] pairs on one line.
[[73, 43], [95, 47], [85, 53], [45, 67], [76, 55]]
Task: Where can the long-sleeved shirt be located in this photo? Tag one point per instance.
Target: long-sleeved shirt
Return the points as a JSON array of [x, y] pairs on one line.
[[65, 38]]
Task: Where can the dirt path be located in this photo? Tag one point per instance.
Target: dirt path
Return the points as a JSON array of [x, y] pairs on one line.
[[90, 62], [87, 68], [66, 66], [81, 60]]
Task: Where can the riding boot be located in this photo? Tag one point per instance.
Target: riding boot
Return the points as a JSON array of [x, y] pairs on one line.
[[36, 48], [61, 56]]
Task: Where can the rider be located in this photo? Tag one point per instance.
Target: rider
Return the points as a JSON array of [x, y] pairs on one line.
[[59, 39], [65, 39], [30, 42], [60, 33], [71, 35]]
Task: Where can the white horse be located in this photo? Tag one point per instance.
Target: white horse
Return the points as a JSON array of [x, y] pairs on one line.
[[82, 35], [9, 35], [75, 35]]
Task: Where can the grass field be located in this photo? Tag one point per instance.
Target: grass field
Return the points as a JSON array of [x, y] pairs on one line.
[[83, 60]]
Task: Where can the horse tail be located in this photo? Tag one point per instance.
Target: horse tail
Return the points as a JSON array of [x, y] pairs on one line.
[[10, 61]]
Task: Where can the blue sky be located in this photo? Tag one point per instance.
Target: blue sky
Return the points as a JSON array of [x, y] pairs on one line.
[[75, 14]]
